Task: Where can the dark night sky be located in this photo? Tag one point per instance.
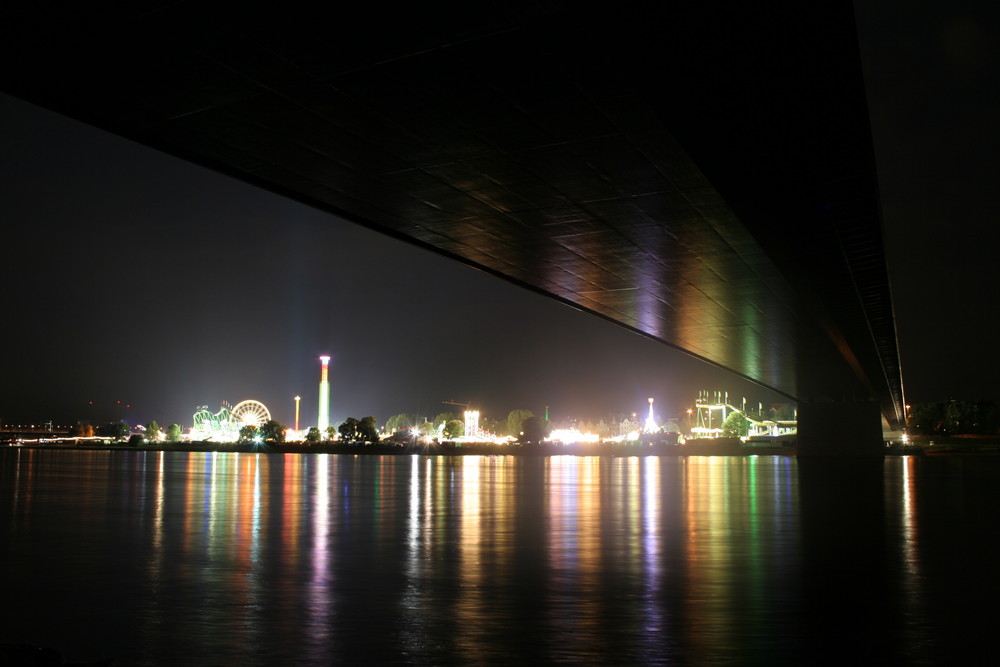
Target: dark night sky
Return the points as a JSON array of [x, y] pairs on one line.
[[933, 77], [130, 275], [141, 278]]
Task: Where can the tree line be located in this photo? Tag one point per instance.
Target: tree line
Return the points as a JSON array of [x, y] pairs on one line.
[[120, 431], [519, 424], [953, 417], [450, 425]]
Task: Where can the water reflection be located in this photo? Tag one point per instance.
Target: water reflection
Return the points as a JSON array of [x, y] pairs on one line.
[[574, 549], [903, 519], [227, 558]]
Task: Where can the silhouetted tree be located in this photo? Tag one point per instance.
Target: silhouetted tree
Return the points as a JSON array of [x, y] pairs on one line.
[[248, 434], [116, 430], [444, 418], [313, 435], [454, 428], [535, 429], [986, 416], [959, 417], [736, 425], [515, 421], [952, 417], [349, 430], [926, 418], [173, 433], [399, 422], [272, 431], [367, 429]]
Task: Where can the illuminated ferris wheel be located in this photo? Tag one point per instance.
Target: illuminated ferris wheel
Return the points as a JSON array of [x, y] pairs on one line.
[[250, 413]]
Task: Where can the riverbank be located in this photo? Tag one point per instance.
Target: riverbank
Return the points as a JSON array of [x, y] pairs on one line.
[[444, 448], [936, 445], [702, 447], [916, 445]]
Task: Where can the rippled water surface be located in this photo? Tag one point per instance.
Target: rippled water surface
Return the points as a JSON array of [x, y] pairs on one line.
[[219, 559]]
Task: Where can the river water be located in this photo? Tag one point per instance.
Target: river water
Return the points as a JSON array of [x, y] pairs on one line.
[[174, 558]]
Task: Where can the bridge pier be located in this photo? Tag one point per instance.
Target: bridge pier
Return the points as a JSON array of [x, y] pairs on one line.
[[840, 428]]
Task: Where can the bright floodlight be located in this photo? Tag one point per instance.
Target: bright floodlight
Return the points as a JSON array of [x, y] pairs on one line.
[[472, 424], [651, 426]]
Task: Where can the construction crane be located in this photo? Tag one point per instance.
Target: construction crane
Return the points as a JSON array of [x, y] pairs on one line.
[[464, 405]]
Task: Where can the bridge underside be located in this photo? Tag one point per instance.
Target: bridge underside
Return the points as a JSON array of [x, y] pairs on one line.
[[700, 174]]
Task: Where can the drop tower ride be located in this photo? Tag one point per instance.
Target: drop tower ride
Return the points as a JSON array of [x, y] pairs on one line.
[[323, 420]]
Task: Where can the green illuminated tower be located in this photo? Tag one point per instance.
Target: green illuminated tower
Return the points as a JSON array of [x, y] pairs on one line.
[[323, 421]]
